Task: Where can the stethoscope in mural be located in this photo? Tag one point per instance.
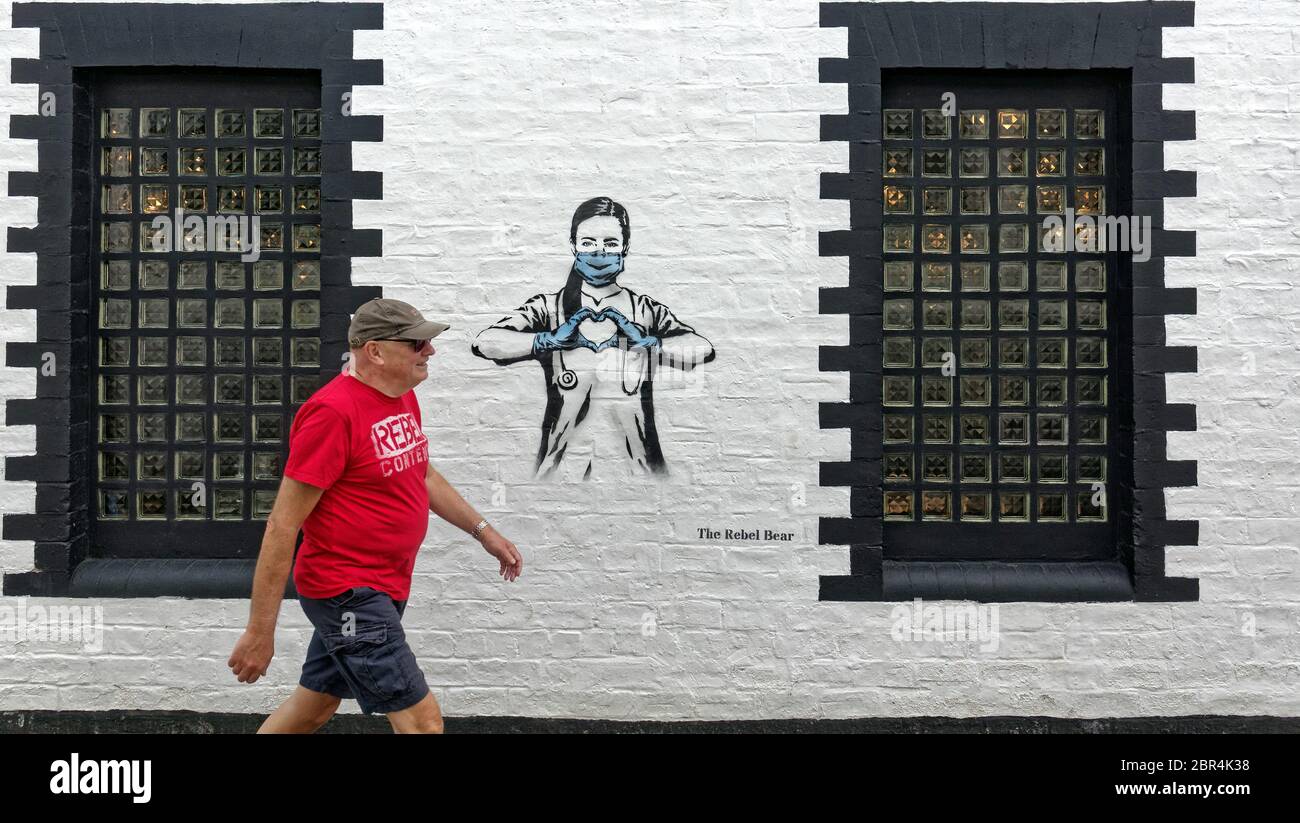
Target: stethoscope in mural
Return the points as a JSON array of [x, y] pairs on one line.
[[560, 330]]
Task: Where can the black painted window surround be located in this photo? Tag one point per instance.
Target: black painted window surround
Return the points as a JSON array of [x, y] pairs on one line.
[[298, 57]]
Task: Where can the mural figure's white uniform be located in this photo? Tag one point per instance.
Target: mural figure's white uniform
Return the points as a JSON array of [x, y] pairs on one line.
[[599, 417]]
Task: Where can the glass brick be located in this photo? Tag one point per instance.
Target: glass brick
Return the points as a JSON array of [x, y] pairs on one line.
[[191, 313], [307, 351], [1051, 508], [267, 389], [898, 200], [898, 237], [975, 506], [975, 390], [898, 163], [151, 428], [1013, 124], [974, 276], [1013, 468], [231, 123], [898, 505], [230, 276], [1090, 390], [974, 239], [897, 276], [1092, 429], [193, 122], [115, 123], [1013, 352], [306, 199], [153, 313], [898, 124], [306, 162], [230, 388], [191, 389], [898, 314], [231, 162], [1091, 315], [306, 123], [116, 162], [934, 125], [936, 391], [1089, 124], [1013, 238], [937, 428], [936, 276], [306, 237], [228, 504], [935, 163], [1050, 124], [266, 465], [974, 163], [268, 314], [192, 274], [975, 468], [191, 351], [936, 200], [1090, 199], [898, 353], [898, 428], [1053, 315], [113, 504], [898, 468], [1051, 353], [1051, 275], [937, 239], [263, 502], [269, 162], [974, 124], [269, 199], [974, 429], [116, 237], [187, 505], [151, 390], [116, 199], [272, 237], [975, 200], [935, 351], [153, 352], [1090, 352], [151, 505], [1090, 162], [154, 275], [1051, 199], [1012, 162], [267, 428], [1013, 315], [154, 163], [936, 314], [194, 198], [151, 466], [975, 315], [306, 275], [229, 351], [268, 351], [115, 275], [936, 505], [228, 466], [155, 199], [1091, 468], [1013, 507], [230, 199], [1052, 431], [1090, 275], [1051, 163], [115, 351], [975, 352], [114, 428], [190, 427], [937, 467], [194, 162], [897, 391], [268, 123], [230, 313], [1013, 390], [114, 466], [1091, 506], [1051, 391]]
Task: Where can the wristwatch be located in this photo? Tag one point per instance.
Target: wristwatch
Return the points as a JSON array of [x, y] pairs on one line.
[[478, 530]]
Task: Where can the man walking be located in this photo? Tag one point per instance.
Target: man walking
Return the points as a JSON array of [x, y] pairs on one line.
[[360, 485]]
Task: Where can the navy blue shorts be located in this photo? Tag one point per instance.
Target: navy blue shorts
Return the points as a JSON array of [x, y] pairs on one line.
[[359, 651]]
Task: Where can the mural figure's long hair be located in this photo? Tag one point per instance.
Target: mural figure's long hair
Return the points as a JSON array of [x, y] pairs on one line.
[[571, 298]]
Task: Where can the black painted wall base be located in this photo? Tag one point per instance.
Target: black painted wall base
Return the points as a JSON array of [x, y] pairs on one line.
[[131, 722]]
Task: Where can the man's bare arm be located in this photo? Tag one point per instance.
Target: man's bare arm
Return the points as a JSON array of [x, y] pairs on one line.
[[447, 503], [293, 503]]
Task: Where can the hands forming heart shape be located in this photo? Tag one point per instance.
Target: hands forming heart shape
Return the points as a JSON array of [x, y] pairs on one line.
[[636, 335]]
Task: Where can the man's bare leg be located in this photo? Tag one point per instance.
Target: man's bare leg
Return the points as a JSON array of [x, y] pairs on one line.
[[304, 712], [423, 718]]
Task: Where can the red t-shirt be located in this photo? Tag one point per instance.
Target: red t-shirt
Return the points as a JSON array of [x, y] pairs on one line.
[[369, 454]]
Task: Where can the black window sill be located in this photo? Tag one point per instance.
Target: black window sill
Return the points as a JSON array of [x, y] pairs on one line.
[[988, 582], [199, 579]]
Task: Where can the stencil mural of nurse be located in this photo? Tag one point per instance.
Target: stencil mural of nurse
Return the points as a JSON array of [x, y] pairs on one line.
[[599, 345]]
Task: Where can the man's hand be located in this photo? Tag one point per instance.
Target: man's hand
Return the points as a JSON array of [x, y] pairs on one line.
[[512, 562], [252, 655]]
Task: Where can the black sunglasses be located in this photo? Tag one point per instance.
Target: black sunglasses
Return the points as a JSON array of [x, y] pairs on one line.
[[415, 344]]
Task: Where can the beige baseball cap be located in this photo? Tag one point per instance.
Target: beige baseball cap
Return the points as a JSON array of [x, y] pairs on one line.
[[384, 317]]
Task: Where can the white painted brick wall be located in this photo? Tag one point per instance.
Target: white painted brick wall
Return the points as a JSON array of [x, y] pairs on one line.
[[702, 117]]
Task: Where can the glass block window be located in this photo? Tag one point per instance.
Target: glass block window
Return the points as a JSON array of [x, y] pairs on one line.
[[201, 355], [998, 370]]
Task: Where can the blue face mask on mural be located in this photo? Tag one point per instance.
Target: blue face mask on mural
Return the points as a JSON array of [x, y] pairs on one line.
[[598, 268]]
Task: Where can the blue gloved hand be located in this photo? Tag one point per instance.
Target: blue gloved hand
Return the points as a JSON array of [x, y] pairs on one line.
[[638, 337], [566, 337]]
